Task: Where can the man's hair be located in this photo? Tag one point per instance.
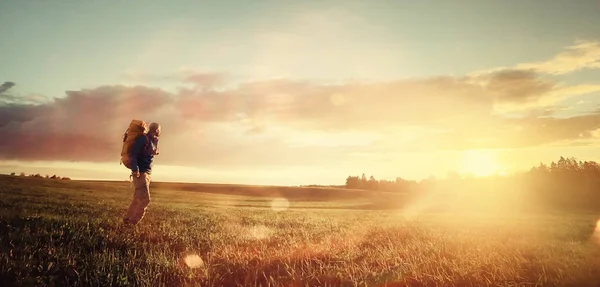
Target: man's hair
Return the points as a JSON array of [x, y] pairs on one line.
[[154, 128]]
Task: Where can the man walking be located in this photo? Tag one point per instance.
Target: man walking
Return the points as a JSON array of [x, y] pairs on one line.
[[145, 147]]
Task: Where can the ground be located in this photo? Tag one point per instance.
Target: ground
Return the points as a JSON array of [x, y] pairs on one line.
[[66, 233]]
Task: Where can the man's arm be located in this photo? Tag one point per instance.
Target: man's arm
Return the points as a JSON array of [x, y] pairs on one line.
[[136, 150]]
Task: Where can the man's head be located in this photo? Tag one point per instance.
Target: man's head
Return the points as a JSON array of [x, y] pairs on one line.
[[154, 128]]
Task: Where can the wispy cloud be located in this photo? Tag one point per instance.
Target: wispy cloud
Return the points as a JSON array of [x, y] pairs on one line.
[[581, 55], [529, 85], [7, 98]]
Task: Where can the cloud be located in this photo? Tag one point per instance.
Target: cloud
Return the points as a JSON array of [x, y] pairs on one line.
[[516, 90], [32, 99], [5, 86], [581, 55], [155, 78], [205, 79], [277, 122], [11, 98], [521, 132], [182, 76], [518, 86], [527, 86], [213, 121], [18, 114], [85, 125]]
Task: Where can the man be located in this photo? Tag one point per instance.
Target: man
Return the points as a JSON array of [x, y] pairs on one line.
[[142, 155]]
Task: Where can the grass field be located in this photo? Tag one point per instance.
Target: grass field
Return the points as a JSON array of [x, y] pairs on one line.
[[65, 233]]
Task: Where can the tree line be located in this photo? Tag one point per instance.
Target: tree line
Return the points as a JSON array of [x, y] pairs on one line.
[[37, 175], [565, 183]]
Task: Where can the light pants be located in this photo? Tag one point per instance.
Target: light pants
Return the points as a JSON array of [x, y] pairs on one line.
[[141, 198]]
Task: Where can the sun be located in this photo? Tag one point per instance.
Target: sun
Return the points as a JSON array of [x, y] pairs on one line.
[[480, 163]]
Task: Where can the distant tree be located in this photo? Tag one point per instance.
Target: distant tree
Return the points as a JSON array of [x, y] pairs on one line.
[[567, 183], [66, 178], [553, 167], [53, 177], [372, 184], [542, 168], [47, 176], [38, 175], [12, 174], [363, 181], [353, 182], [453, 176], [22, 174], [591, 169]]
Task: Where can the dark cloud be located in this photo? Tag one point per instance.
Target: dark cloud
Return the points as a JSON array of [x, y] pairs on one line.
[[85, 125], [518, 85], [5, 86], [48, 145], [18, 114], [537, 131]]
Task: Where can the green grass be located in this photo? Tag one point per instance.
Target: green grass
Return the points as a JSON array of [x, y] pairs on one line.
[[65, 233]]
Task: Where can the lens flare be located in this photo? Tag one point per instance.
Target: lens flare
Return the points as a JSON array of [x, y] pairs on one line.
[[596, 234], [259, 232], [193, 261], [280, 204]]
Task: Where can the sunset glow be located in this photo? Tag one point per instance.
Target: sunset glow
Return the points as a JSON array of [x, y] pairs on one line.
[[480, 163], [291, 93]]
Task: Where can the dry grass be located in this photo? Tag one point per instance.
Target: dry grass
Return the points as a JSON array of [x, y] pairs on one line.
[[69, 233]]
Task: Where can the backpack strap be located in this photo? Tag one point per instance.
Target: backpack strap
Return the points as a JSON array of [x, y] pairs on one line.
[[147, 141]]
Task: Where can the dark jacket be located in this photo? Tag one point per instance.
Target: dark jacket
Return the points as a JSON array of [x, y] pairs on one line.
[[142, 153]]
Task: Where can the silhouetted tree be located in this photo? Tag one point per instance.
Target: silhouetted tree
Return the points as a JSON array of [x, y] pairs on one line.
[[353, 182], [567, 183], [372, 184]]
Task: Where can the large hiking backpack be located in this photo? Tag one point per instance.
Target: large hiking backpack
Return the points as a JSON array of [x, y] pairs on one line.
[[136, 129]]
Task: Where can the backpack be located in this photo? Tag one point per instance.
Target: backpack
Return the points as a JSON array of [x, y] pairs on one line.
[[136, 129]]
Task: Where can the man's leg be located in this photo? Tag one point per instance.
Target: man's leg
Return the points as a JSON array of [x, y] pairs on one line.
[[132, 208], [141, 198]]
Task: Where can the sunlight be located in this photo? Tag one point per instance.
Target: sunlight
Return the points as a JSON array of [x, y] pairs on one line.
[[480, 163], [338, 99], [329, 139], [259, 232], [596, 233], [193, 261], [280, 204]]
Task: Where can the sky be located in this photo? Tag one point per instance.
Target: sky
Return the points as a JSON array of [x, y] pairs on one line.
[[306, 92]]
